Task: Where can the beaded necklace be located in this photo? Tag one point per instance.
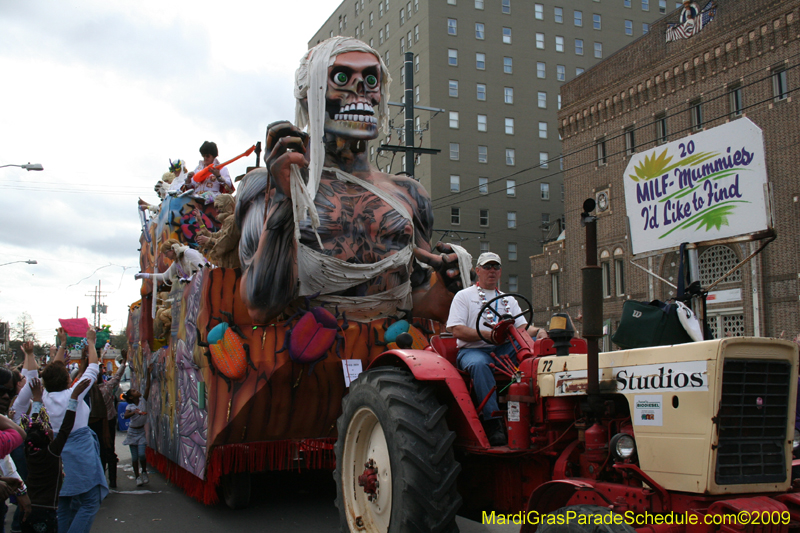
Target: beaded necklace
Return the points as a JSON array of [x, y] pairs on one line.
[[492, 317]]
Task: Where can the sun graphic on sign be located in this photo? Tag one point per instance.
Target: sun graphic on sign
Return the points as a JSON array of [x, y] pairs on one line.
[[652, 166]]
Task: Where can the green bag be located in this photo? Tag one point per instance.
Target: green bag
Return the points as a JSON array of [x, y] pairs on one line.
[[649, 324]]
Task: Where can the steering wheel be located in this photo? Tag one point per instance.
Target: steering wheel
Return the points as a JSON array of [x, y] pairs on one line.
[[505, 318]]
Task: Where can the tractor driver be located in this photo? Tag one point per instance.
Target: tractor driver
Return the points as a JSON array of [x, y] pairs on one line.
[[473, 353]]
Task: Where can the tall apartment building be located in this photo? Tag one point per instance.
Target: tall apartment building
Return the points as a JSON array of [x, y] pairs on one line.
[[496, 68], [744, 64]]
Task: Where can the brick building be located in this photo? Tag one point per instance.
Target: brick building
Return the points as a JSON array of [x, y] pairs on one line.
[[742, 64]]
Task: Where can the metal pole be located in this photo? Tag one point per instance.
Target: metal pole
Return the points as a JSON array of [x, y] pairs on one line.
[[592, 296], [409, 104]]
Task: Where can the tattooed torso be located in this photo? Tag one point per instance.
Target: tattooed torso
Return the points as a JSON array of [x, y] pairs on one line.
[[358, 226]]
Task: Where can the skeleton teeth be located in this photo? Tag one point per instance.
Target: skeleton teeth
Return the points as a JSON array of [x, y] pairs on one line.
[[360, 107], [369, 108]]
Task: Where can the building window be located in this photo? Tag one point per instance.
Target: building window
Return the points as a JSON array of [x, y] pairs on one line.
[[512, 251], [578, 18], [480, 31], [452, 27], [455, 216], [480, 61], [451, 2], [511, 188], [481, 122], [696, 112], [645, 28], [598, 50], [483, 217], [630, 141], [578, 72], [735, 99], [408, 10], [513, 283], [386, 58], [601, 152], [561, 72], [579, 47], [544, 189], [371, 19], [481, 92], [408, 38], [478, 4], [380, 36], [510, 157], [416, 61], [416, 33], [483, 185], [628, 27], [455, 183], [416, 6], [559, 43], [541, 70], [453, 151], [453, 88], [606, 266], [453, 120], [558, 15], [546, 221], [558, 96], [506, 6], [780, 88], [387, 31], [542, 100], [508, 95], [483, 154], [538, 11], [554, 285], [452, 57], [627, 3], [543, 130], [402, 16], [543, 160], [661, 128], [507, 65], [511, 219], [484, 247], [619, 275], [416, 94], [509, 126], [540, 41], [402, 47], [596, 21], [645, 5], [507, 36]]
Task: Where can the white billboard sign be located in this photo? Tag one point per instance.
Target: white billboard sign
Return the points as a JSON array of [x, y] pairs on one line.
[[708, 186]]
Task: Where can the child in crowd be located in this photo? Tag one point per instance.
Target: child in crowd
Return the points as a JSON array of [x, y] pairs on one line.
[[43, 455], [136, 438]]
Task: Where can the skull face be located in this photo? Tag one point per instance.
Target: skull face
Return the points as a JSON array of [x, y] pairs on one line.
[[353, 95]]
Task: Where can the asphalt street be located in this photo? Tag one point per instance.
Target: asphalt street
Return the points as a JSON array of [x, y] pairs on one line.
[[281, 502]]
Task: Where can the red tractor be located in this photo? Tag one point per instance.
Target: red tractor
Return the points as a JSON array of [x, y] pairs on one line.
[[691, 437]]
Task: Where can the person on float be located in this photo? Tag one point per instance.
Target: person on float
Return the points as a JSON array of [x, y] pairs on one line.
[[217, 183], [473, 353], [185, 262], [178, 170], [319, 206]]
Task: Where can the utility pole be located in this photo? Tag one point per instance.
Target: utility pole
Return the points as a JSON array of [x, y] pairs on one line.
[[97, 307], [409, 148]]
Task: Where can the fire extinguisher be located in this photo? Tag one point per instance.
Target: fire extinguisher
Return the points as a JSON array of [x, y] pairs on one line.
[[519, 416]]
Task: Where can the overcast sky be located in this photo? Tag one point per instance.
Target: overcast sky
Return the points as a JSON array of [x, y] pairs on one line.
[[102, 94]]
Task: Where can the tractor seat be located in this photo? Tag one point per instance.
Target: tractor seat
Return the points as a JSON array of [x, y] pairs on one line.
[[445, 346]]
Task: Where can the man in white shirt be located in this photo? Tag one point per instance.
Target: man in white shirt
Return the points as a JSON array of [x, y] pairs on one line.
[[474, 354], [220, 179]]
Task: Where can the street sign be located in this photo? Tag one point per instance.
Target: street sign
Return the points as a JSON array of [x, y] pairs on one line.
[[705, 187]]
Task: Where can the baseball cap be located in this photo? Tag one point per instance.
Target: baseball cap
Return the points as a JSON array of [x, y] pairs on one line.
[[488, 257]]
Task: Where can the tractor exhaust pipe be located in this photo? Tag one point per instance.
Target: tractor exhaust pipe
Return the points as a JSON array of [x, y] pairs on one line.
[[592, 302]]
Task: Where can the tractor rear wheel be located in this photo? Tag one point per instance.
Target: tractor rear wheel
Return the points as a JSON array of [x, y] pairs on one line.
[[395, 469], [584, 521]]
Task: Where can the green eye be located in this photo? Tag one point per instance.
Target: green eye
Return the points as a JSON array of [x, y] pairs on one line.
[[372, 81], [340, 78]]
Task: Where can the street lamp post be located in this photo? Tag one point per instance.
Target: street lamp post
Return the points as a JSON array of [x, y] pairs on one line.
[[28, 166], [29, 261]]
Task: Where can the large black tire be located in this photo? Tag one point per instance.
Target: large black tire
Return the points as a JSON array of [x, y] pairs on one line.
[[575, 527], [392, 419], [235, 489]]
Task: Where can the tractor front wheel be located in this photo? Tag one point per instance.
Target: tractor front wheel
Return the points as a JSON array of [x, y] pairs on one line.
[[584, 519], [395, 469]]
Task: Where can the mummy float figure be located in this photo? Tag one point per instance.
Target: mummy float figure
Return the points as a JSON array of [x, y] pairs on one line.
[[321, 222]]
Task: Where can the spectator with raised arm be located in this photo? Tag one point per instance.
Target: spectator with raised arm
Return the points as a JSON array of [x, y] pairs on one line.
[[85, 483], [103, 416]]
